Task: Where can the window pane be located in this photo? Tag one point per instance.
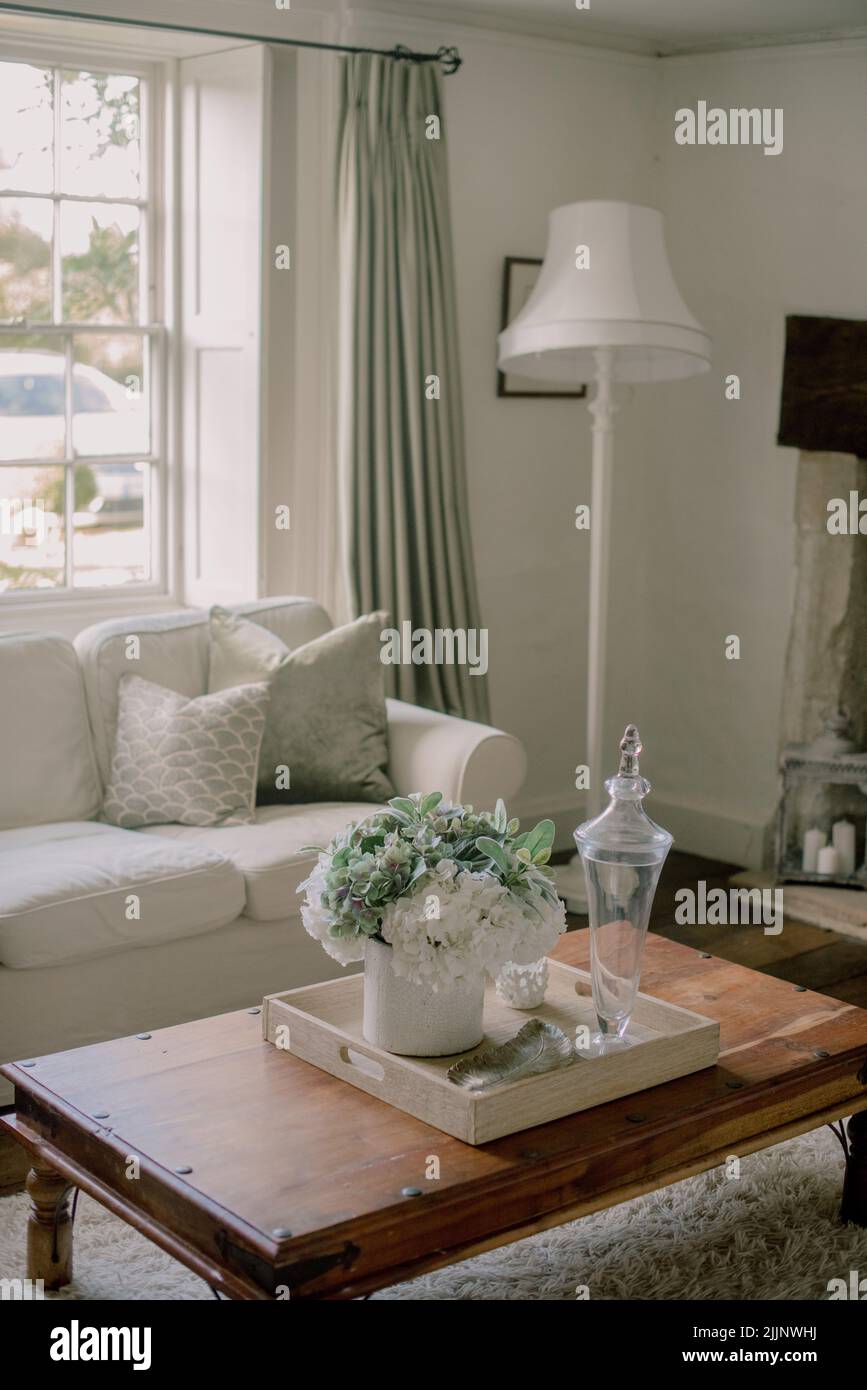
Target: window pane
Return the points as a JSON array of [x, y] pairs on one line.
[[32, 397], [99, 251], [109, 395], [32, 552], [112, 524], [26, 230], [99, 135], [26, 128]]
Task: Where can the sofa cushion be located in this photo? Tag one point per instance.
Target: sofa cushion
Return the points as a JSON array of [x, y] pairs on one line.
[[327, 726], [172, 650], [294, 620], [269, 853], [78, 889], [46, 752], [241, 651], [191, 761]]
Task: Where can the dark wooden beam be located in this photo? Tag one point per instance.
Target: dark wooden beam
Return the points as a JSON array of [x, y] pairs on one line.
[[824, 398]]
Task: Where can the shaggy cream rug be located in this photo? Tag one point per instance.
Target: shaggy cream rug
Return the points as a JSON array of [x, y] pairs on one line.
[[772, 1232]]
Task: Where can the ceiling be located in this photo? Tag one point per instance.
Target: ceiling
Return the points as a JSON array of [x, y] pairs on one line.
[[658, 26]]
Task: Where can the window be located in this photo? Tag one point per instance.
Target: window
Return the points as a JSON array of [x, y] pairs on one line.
[[81, 475]]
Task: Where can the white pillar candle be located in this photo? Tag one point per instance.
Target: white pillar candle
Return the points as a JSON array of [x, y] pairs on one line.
[[843, 840], [813, 842], [827, 860]]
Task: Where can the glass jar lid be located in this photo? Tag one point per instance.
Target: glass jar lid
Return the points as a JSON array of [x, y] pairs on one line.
[[624, 832]]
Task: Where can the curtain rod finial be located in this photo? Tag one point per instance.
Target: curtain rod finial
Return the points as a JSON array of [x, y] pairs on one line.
[[450, 59]]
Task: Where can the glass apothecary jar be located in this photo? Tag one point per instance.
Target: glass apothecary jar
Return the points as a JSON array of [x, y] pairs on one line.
[[622, 852]]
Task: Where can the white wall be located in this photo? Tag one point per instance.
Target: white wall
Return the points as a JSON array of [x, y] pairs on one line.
[[531, 127], [300, 469], [752, 238], [703, 531]]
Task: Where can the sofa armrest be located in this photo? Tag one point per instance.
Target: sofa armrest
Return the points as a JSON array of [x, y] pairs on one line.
[[469, 763]]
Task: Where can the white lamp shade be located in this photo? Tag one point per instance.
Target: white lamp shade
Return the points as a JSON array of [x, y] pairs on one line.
[[625, 298]]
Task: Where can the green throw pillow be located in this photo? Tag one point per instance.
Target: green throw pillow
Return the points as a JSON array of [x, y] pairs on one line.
[[326, 733]]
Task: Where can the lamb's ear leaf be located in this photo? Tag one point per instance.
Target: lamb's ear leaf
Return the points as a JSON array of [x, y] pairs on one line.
[[540, 837], [463, 848], [493, 851], [403, 804], [430, 802], [501, 818]]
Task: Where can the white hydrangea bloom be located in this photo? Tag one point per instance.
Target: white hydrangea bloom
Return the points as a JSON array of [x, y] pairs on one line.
[[315, 918], [458, 927]]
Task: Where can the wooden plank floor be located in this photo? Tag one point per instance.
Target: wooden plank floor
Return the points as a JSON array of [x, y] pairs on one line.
[[815, 957]]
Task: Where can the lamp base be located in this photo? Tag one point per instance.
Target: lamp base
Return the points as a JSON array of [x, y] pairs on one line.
[[571, 885]]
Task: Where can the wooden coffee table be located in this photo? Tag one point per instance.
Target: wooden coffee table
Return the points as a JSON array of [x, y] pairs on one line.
[[270, 1178]]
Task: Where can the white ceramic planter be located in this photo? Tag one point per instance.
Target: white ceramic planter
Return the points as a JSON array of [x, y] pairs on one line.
[[413, 1021]]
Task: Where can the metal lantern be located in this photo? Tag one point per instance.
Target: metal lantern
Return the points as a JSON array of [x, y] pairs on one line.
[[823, 791]]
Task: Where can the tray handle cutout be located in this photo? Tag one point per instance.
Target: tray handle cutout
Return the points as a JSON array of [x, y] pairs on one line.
[[366, 1064]]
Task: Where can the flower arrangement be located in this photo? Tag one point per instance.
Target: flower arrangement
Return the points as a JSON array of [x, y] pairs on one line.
[[454, 892]]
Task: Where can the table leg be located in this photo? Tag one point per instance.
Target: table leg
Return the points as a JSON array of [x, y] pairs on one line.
[[49, 1227], [854, 1206]]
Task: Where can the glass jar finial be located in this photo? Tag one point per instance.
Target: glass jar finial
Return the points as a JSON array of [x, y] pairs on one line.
[[630, 749]]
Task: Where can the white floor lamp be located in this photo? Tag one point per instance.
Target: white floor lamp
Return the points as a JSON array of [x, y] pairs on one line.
[[604, 308]]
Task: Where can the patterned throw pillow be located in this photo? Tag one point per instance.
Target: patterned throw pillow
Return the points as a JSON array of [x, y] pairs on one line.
[[185, 761]]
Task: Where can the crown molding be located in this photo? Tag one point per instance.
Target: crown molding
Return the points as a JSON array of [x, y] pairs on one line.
[[581, 34], [795, 46], [497, 23], [387, 23], [263, 21], [398, 20], [30, 35]]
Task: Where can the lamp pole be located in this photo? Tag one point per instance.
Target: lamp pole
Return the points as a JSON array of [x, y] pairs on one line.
[[602, 408], [570, 878]]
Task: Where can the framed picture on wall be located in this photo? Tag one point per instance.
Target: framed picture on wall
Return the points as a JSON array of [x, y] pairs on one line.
[[520, 274]]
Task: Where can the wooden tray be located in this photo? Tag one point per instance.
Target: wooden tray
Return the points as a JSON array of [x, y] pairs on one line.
[[322, 1025]]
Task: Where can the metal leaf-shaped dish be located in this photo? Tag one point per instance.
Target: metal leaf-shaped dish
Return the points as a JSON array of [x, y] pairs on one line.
[[537, 1047]]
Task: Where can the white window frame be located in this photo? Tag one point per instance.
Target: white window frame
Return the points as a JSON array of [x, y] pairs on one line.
[[154, 314]]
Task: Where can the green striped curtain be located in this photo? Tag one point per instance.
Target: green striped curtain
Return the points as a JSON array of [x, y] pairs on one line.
[[401, 449]]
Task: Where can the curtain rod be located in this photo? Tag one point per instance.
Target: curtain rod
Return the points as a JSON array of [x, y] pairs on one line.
[[448, 58]]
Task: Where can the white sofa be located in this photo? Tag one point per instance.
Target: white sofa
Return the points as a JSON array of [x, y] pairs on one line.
[[217, 923]]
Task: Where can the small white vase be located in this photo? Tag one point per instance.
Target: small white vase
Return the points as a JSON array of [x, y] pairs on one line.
[[414, 1021], [523, 986]]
